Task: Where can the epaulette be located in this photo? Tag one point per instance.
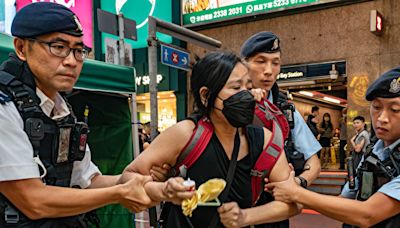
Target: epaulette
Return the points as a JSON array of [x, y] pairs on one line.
[[4, 98]]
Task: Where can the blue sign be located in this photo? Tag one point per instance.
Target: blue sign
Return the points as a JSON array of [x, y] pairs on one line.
[[174, 57]]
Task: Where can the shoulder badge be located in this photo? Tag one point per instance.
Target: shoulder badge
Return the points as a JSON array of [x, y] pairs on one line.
[[395, 85]]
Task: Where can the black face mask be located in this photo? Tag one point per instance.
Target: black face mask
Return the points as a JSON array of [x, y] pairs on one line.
[[239, 109]]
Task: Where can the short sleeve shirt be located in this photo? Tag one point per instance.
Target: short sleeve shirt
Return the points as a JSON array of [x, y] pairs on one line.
[[303, 139], [16, 160], [392, 188], [363, 135]]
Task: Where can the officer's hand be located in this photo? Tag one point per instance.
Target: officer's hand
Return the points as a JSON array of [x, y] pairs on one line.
[[284, 191], [174, 191], [134, 196], [231, 214], [160, 173], [258, 94]]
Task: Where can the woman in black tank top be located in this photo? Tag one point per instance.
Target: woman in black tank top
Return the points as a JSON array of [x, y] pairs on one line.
[[219, 83]]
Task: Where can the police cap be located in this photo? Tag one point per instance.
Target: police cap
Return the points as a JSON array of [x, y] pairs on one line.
[[266, 42], [42, 18], [386, 86]]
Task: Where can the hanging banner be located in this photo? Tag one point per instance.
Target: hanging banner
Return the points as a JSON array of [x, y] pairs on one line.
[[83, 10], [197, 12]]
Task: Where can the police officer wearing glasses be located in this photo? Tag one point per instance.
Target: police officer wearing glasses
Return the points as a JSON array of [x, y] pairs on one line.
[[43, 151], [374, 201]]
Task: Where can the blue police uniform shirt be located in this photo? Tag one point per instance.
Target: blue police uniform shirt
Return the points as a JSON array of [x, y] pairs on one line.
[[303, 139], [392, 188]]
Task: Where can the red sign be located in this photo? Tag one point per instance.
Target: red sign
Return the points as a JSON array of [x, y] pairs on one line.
[[83, 10]]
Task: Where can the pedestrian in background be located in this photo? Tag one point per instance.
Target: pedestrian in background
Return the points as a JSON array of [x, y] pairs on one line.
[[325, 129], [360, 140], [343, 138]]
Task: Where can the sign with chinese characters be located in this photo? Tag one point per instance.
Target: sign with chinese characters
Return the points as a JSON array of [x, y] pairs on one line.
[[196, 12], [83, 10], [174, 57]]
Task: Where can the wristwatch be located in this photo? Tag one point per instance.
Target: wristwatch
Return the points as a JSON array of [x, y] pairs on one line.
[[303, 181]]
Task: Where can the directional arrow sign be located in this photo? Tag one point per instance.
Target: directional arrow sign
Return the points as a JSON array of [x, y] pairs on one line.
[[174, 57]]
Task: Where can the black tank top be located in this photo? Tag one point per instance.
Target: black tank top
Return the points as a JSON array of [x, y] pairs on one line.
[[214, 163]]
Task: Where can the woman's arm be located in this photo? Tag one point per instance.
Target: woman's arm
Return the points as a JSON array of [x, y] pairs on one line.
[[165, 148]]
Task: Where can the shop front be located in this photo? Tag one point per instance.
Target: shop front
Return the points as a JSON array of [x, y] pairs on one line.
[[171, 96]]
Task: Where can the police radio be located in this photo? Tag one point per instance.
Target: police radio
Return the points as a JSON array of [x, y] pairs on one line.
[[78, 141], [287, 107], [350, 173]]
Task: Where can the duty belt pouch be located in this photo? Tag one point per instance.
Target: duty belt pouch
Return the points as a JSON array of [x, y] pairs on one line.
[[297, 160], [367, 183]]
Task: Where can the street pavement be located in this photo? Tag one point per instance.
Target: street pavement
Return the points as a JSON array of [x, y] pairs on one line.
[[312, 219]]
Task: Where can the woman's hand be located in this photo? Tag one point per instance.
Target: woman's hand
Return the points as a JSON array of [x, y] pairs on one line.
[[174, 191], [231, 215]]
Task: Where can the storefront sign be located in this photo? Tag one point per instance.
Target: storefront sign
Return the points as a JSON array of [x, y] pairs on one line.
[[145, 80], [290, 75], [83, 10], [208, 11], [139, 11], [310, 71]]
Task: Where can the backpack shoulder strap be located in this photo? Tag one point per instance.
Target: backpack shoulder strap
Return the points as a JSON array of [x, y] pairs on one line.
[[195, 146], [266, 161]]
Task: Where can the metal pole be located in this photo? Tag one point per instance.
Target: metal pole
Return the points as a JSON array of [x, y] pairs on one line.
[[121, 39], [135, 130], [152, 58]]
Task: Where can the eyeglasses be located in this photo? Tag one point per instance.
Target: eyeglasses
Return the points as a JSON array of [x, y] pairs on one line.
[[61, 50]]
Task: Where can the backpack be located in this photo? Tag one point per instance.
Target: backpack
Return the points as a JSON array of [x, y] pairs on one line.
[[201, 137]]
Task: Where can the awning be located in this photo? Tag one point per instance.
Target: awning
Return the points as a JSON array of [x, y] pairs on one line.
[[101, 76], [95, 75]]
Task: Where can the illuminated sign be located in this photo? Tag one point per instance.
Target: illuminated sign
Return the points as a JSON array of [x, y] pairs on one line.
[[289, 75], [139, 11], [376, 22], [195, 12], [145, 80], [83, 10]]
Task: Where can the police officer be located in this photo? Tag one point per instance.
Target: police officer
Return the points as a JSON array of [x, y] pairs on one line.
[[43, 149], [263, 54], [377, 183]]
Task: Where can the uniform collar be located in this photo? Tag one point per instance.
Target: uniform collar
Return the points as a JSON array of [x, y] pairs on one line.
[[383, 152], [54, 109]]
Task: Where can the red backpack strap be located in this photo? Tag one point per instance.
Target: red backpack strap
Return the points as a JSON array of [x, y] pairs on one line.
[[266, 113], [195, 146], [266, 161]]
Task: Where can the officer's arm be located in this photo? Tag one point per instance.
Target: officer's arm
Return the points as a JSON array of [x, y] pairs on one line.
[[276, 210], [312, 169], [37, 200], [360, 213]]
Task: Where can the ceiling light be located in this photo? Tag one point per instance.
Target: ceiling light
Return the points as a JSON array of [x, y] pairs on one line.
[[310, 94], [333, 100], [295, 83]]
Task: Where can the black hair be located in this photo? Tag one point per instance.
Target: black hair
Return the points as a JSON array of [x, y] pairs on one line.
[[359, 118], [314, 108], [362, 119], [212, 71], [329, 124]]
